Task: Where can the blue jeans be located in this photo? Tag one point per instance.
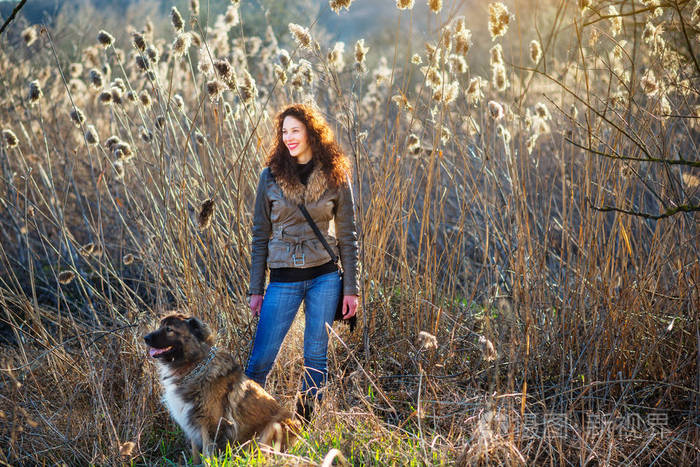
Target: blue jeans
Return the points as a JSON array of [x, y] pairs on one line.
[[279, 307]]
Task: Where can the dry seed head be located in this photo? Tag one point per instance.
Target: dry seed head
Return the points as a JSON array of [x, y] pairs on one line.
[[336, 5], [474, 91], [232, 18], [615, 20], [496, 54], [96, 79], [583, 5], [649, 33], [500, 79], [111, 142], [145, 98], [10, 138], [427, 341], [87, 249], [91, 135], [280, 74], [66, 277], [649, 83], [247, 88], [416, 60], [413, 144], [34, 92], [302, 36], [542, 111], [145, 134], [535, 51], [496, 110], [499, 18], [457, 63], [176, 19], [463, 41], [204, 65], [119, 83], [194, 7], [488, 351], [360, 56], [104, 38], [283, 57], [29, 35], [148, 28], [77, 116], [695, 15], [215, 88], [448, 93], [206, 213], [502, 132], [105, 98], [435, 6], [664, 108], [127, 260], [75, 69], [179, 101], [160, 122], [199, 138], [181, 44], [433, 53], [119, 169], [335, 57], [405, 4], [152, 53], [432, 77], [223, 67], [142, 63], [122, 150]]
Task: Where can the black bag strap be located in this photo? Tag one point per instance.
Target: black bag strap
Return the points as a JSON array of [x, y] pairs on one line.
[[318, 233]]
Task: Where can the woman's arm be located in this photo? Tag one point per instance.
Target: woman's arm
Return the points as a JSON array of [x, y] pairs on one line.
[[262, 227], [346, 234]]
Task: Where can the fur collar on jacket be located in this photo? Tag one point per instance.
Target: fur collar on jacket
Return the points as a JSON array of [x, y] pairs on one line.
[[297, 193]]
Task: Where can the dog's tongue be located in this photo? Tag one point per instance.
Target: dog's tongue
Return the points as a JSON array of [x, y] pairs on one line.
[[153, 351]]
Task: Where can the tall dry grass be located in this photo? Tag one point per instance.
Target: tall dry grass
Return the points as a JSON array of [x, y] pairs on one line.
[[527, 214]]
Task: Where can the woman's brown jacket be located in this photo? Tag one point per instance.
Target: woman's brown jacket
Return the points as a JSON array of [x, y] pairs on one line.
[[282, 238]]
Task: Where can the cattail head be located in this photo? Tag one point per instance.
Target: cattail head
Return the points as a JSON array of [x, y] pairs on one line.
[[181, 43], [457, 63], [29, 35], [416, 60], [138, 41], [152, 53], [427, 341], [336, 5], [232, 18], [179, 101], [615, 20], [302, 36], [194, 7], [405, 4], [499, 77], [535, 51], [542, 111], [75, 69], [142, 63], [119, 83], [496, 55], [122, 151], [206, 212], [215, 88], [499, 18], [360, 55], [96, 78], [127, 260], [335, 57], [247, 88], [34, 92], [111, 142], [145, 98], [104, 38], [77, 116], [176, 19], [447, 93], [649, 83], [281, 74], [496, 110], [223, 68], [463, 41], [435, 6], [432, 77], [105, 98], [117, 93], [9, 138], [66, 277], [91, 135], [413, 144], [283, 57]]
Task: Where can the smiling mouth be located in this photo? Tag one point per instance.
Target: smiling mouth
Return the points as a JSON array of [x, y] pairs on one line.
[[153, 352], [292, 146]]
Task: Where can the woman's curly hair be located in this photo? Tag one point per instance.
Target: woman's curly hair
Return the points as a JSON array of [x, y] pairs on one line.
[[325, 150]]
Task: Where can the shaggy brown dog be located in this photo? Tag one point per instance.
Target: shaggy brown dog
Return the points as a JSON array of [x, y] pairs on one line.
[[207, 393]]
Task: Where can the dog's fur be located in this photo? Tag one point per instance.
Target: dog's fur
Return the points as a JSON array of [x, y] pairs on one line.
[[215, 403]]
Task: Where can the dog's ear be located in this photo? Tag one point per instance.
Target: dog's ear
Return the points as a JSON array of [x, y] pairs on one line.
[[199, 329]]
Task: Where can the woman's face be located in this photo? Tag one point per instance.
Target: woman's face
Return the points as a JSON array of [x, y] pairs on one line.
[[294, 136]]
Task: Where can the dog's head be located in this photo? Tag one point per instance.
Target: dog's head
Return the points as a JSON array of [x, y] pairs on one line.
[[180, 340]]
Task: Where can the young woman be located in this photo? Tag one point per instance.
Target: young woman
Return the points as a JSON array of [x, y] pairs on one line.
[[305, 166]]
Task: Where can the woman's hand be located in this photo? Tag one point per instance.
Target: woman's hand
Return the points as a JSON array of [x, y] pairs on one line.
[[255, 303], [350, 306]]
